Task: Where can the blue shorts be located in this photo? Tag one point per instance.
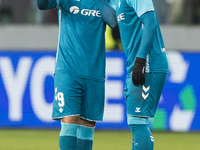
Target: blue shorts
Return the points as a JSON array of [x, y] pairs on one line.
[[78, 96], [143, 100]]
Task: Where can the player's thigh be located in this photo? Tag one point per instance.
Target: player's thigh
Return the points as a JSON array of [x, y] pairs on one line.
[[156, 83], [143, 100], [93, 103], [71, 119], [68, 96], [87, 123]]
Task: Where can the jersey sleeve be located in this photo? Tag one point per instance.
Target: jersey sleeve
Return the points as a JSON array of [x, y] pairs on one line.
[[107, 12], [112, 3], [148, 33], [141, 6]]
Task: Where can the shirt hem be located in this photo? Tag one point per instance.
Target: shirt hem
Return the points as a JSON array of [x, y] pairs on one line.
[[80, 76]]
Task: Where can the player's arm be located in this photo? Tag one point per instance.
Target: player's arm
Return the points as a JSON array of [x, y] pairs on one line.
[[150, 24], [149, 29], [107, 12], [46, 4]]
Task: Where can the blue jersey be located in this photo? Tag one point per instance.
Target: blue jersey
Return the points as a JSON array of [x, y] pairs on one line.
[[81, 41], [128, 14]]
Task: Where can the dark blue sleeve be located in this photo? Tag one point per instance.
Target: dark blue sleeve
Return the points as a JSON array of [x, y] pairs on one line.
[[107, 12], [46, 4], [149, 29]]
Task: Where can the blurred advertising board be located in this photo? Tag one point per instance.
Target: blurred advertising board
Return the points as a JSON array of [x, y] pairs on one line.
[[26, 92]]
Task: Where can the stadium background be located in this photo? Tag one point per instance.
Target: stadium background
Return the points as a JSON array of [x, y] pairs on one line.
[[28, 39]]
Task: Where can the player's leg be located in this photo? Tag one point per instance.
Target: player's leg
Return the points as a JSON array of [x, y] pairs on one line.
[[137, 105], [91, 111], [67, 108], [142, 137], [68, 133], [85, 135], [142, 101]]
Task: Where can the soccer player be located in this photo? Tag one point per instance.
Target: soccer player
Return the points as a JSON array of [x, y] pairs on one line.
[[80, 68], [147, 66]]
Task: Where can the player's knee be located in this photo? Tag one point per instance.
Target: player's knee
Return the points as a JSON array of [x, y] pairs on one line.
[[68, 129], [85, 133]]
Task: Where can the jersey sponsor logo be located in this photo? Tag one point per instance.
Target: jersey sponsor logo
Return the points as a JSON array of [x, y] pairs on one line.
[[120, 17], [85, 12], [88, 12], [74, 10]]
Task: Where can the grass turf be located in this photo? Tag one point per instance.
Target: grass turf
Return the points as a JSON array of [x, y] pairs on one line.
[[15, 139]]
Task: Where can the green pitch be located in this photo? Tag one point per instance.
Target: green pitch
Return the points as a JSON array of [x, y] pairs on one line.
[[103, 140]]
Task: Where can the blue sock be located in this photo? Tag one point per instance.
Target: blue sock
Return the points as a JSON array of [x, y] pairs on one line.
[[85, 138], [142, 137], [68, 136]]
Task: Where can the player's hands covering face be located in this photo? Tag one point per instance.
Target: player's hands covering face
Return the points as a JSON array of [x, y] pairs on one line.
[[138, 76]]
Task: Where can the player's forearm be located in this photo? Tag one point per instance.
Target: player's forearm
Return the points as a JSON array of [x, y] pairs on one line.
[[107, 12], [46, 4], [149, 29]]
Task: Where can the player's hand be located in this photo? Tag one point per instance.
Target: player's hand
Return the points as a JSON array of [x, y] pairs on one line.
[[138, 76]]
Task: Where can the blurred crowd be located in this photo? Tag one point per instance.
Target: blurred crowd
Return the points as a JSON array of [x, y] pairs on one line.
[[170, 12]]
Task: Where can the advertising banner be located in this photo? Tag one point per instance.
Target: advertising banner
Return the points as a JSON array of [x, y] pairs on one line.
[[26, 92]]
